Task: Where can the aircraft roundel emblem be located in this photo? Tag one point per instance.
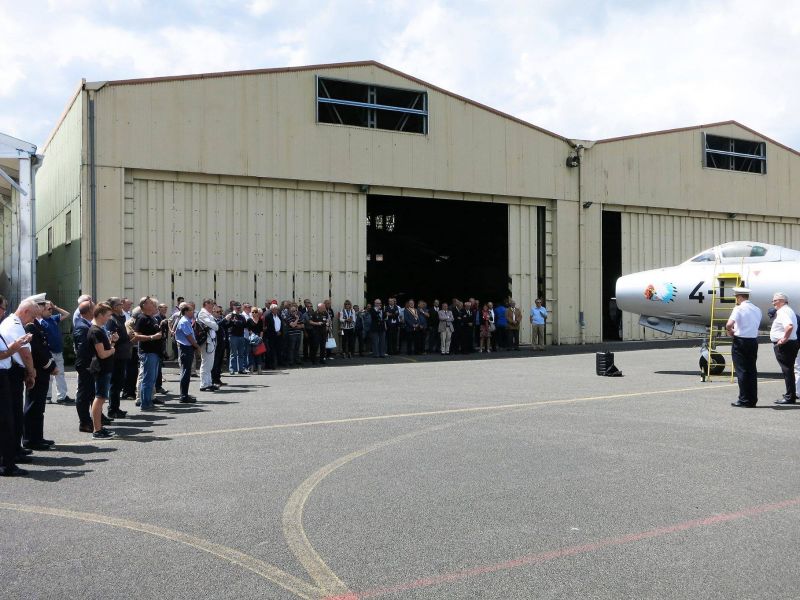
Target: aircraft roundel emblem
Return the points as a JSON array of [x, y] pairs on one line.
[[665, 293]]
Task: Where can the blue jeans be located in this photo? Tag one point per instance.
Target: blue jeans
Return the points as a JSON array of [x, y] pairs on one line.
[[149, 362], [239, 350]]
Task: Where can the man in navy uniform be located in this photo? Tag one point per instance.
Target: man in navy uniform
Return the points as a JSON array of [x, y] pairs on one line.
[[743, 327]]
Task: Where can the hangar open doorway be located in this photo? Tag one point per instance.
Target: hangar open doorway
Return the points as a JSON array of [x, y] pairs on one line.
[[431, 248], [612, 270]]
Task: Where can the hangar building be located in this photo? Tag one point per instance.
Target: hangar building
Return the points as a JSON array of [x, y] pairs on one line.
[[355, 180]]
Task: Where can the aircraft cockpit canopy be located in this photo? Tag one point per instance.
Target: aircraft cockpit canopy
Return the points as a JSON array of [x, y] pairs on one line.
[[745, 252]]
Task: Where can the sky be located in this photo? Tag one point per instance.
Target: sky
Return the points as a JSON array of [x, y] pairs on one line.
[[583, 69]]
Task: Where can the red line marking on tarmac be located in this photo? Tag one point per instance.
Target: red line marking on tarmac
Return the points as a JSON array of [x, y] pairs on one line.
[[533, 559]]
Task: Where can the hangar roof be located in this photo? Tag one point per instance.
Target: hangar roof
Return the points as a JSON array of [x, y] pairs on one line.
[[11, 150], [694, 127], [364, 63]]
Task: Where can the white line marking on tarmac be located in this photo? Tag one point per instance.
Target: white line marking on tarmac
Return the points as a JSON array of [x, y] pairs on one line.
[[431, 413], [288, 582]]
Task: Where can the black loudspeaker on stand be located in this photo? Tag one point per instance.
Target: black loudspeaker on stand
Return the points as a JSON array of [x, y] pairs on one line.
[[604, 365]]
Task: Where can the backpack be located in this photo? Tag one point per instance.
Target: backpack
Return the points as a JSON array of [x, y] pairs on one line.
[[200, 332]]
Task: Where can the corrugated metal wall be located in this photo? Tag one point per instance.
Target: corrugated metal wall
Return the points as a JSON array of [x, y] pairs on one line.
[[651, 241], [6, 241], [58, 194], [235, 241], [523, 261]]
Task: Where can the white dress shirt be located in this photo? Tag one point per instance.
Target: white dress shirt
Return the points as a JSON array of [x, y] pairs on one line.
[[746, 318], [12, 328], [783, 318]]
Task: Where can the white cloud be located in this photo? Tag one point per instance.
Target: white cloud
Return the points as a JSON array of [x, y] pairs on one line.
[[259, 8], [604, 70]]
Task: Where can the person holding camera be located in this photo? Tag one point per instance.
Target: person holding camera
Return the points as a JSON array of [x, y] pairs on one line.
[[10, 345], [101, 364]]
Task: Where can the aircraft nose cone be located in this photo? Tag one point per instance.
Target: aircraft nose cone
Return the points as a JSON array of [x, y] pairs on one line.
[[629, 290]]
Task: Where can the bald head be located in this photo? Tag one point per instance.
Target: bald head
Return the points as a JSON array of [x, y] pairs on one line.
[[27, 311], [85, 309]]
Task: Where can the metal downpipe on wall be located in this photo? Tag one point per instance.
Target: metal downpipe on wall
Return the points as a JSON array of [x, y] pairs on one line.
[[36, 163], [92, 198], [581, 243]]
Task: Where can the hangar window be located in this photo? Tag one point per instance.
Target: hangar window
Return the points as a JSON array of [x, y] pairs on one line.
[[375, 107], [734, 155]]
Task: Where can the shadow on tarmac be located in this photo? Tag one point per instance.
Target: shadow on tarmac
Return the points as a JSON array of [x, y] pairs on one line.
[[88, 449], [55, 475], [62, 463], [217, 401]]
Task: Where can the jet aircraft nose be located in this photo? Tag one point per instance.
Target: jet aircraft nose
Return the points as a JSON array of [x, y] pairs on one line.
[[638, 292]]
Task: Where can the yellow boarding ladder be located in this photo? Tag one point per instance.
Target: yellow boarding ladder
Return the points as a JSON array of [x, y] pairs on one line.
[[722, 304]]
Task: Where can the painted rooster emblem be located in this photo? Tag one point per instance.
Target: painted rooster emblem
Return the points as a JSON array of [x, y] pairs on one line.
[[665, 293]]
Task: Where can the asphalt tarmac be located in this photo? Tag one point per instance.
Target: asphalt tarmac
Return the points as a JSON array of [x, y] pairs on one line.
[[519, 475]]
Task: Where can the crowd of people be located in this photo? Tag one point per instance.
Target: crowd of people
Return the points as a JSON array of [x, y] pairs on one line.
[[298, 332], [120, 350]]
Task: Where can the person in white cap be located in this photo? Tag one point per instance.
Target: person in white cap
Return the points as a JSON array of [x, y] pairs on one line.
[[743, 327], [784, 342], [22, 374]]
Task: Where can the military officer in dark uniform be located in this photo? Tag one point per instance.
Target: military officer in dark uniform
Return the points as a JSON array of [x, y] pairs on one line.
[[743, 327], [36, 396]]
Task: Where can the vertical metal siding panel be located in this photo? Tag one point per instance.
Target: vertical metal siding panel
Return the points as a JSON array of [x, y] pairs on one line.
[[194, 245], [178, 197], [549, 259], [155, 259], [533, 279], [515, 254], [318, 231], [314, 229], [300, 243], [350, 229], [277, 266], [532, 252], [327, 246], [334, 255], [625, 245], [513, 242], [289, 241], [362, 244]]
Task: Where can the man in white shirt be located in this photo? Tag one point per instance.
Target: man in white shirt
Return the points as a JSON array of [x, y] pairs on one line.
[[743, 327], [784, 342], [9, 445], [22, 374]]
